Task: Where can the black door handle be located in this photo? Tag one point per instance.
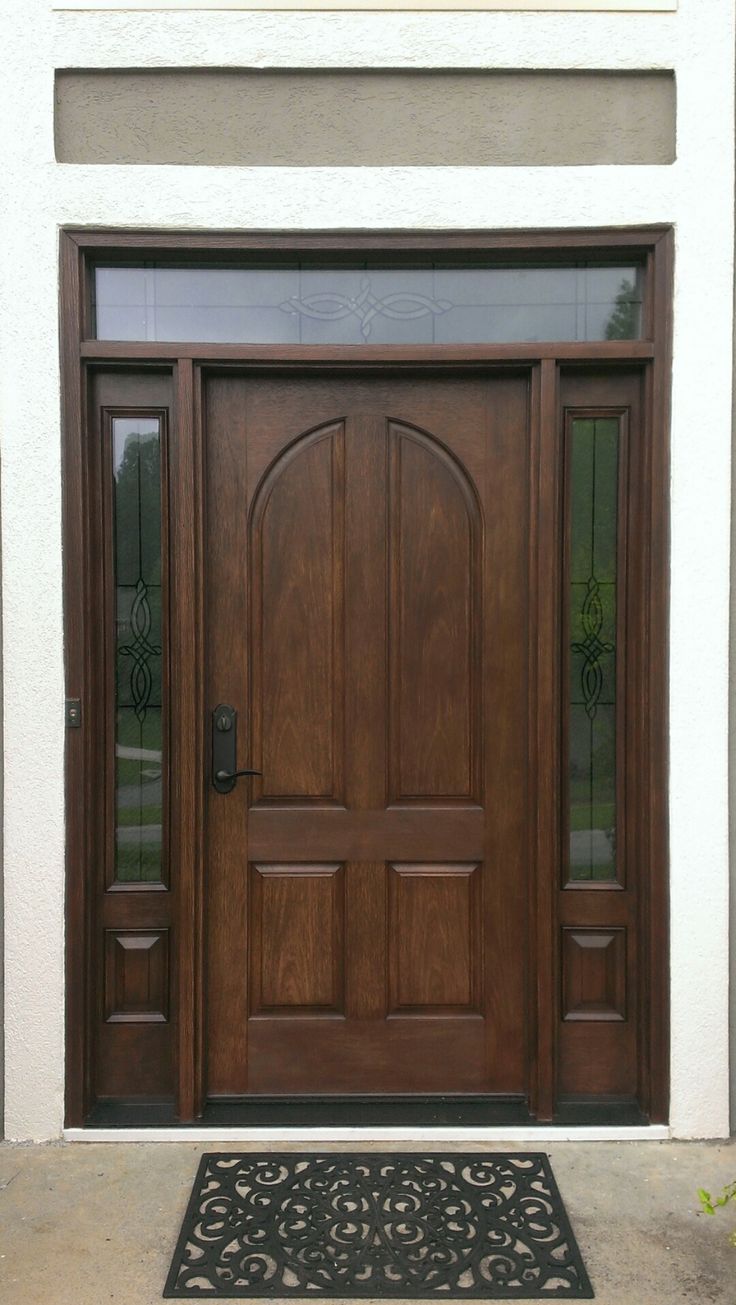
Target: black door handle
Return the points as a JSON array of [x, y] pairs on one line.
[[225, 771], [223, 776]]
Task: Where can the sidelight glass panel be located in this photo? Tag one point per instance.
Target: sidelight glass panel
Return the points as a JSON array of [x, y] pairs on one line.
[[368, 303], [139, 639], [593, 529]]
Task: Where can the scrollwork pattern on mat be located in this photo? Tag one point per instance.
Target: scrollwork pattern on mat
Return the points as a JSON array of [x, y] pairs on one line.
[[411, 1225]]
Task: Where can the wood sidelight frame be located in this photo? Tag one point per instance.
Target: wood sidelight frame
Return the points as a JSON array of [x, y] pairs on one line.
[[649, 358]]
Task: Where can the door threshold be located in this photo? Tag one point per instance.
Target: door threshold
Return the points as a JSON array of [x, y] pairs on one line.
[[330, 1113], [310, 1138]]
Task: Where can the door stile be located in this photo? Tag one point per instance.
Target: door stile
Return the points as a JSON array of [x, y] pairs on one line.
[[187, 732], [230, 594], [544, 717]]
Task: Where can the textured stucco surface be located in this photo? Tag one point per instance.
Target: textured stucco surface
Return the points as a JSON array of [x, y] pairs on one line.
[[732, 735], [658, 5], [38, 195], [358, 118]]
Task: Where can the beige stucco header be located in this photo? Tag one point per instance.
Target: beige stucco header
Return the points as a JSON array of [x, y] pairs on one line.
[[354, 117]]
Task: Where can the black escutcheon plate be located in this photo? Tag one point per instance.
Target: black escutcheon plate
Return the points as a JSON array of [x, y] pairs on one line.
[[489, 1226]]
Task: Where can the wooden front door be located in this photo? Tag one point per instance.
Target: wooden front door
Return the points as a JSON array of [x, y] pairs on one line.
[[367, 617]]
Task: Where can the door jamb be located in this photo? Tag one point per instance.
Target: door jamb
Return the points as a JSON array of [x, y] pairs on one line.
[[79, 249]]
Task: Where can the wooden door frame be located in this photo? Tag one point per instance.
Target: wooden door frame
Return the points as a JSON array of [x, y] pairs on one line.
[[81, 354]]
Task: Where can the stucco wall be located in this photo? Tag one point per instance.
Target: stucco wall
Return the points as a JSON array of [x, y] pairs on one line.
[[360, 118], [38, 195], [732, 738], [598, 5]]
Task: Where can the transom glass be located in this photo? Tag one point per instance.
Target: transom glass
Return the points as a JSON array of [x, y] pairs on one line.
[[368, 303]]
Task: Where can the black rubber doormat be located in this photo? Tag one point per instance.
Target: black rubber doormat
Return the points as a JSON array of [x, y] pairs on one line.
[[377, 1225]]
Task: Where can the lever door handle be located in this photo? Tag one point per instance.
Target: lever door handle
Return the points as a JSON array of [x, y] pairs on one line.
[[224, 776], [225, 771]]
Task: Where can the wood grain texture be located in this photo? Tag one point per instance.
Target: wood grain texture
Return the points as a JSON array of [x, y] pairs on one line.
[[187, 747], [434, 627], [297, 622], [594, 974], [445, 357], [393, 1056], [79, 669], [136, 1061], [435, 932], [136, 976], [544, 716], [297, 939], [654, 1028], [226, 849], [367, 501], [508, 626], [504, 245]]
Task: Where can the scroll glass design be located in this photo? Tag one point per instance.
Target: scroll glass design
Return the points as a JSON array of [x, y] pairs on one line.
[[367, 303], [594, 455], [137, 536]]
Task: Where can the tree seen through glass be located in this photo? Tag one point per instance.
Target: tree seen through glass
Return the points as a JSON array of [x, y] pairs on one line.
[[139, 649], [593, 510]]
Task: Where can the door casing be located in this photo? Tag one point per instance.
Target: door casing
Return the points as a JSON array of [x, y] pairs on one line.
[[82, 356]]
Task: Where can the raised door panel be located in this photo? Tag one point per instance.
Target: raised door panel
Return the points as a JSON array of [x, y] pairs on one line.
[[296, 940], [594, 974], [435, 945], [297, 623], [434, 624], [136, 976]]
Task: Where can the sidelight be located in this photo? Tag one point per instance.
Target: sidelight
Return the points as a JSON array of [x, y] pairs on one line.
[[367, 303], [138, 580], [593, 460]]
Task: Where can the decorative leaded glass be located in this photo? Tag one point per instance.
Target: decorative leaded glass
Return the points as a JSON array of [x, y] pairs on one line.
[[368, 303], [136, 452], [593, 525]]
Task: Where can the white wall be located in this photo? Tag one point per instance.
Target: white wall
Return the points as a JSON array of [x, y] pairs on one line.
[[696, 193]]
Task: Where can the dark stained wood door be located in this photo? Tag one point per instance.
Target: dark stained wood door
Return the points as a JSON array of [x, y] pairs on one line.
[[366, 579]]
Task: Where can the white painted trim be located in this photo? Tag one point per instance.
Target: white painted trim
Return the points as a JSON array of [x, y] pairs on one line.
[[519, 6], [496, 41], [402, 1134]]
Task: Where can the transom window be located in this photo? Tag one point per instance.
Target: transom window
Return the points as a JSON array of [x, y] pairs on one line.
[[369, 303]]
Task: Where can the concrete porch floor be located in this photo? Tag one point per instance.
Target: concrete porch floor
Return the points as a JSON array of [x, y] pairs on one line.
[[87, 1223]]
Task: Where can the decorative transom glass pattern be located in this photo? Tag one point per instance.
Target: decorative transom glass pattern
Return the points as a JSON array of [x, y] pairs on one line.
[[368, 304], [593, 523], [136, 464]]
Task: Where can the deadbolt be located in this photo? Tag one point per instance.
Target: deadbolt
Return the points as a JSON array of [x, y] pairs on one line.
[[225, 772]]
